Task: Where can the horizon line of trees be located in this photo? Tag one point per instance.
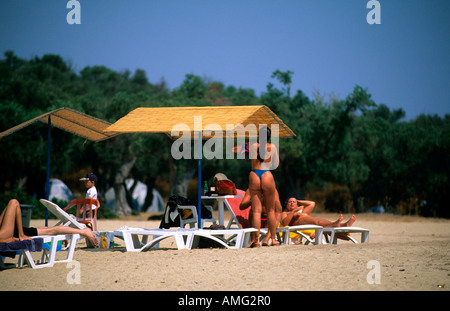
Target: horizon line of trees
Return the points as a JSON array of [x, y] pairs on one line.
[[349, 154]]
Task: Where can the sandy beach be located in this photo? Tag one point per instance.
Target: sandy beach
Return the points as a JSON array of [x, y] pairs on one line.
[[412, 254]]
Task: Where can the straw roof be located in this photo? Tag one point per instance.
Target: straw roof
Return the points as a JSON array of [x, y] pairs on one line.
[[216, 119], [71, 121]]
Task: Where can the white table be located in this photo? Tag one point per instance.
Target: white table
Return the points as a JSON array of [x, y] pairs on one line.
[[220, 201]]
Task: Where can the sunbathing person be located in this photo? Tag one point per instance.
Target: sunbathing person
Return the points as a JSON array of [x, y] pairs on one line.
[[297, 212], [10, 219], [11, 228]]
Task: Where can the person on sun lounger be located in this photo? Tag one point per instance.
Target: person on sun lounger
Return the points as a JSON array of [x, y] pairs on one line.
[[297, 212], [11, 228]]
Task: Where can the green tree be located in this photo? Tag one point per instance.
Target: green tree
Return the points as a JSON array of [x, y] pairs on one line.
[[347, 150], [285, 78]]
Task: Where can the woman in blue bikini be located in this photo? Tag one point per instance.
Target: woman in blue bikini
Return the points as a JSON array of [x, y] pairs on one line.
[[264, 157]]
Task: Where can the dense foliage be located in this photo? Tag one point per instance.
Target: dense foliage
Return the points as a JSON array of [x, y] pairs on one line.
[[349, 154]]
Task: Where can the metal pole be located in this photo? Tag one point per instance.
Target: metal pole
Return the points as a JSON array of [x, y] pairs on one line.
[[47, 184], [199, 196]]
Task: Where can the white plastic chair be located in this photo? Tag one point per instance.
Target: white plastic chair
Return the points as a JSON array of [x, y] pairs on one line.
[[194, 218]]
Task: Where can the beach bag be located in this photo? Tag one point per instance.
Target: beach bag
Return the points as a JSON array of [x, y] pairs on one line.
[[173, 214], [225, 187], [171, 217], [105, 240]]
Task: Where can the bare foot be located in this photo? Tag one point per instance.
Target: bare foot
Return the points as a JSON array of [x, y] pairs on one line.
[[275, 243], [91, 237], [337, 223], [252, 244], [255, 244], [254, 241], [350, 222], [24, 237]]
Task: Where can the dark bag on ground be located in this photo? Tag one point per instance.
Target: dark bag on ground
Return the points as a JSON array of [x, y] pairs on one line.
[[208, 243]]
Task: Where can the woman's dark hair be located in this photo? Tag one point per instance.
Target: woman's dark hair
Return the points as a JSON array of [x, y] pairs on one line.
[[262, 147]]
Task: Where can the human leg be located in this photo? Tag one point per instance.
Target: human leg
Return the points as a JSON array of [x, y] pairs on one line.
[[309, 220], [349, 222], [256, 208], [86, 233], [270, 194], [255, 220], [10, 219]]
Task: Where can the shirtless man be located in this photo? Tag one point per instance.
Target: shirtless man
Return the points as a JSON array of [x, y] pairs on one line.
[[298, 212]]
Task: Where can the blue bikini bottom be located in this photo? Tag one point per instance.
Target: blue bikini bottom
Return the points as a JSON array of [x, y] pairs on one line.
[[259, 173]]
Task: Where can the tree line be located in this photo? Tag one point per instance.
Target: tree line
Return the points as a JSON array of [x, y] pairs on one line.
[[349, 154]]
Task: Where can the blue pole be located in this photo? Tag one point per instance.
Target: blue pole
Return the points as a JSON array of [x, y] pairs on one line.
[[199, 196], [47, 184]]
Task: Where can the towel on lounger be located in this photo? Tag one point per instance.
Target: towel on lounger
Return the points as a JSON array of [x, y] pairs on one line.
[[10, 249]]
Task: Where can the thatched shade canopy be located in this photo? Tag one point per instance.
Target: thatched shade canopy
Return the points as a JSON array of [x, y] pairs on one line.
[[71, 121], [165, 119], [68, 120]]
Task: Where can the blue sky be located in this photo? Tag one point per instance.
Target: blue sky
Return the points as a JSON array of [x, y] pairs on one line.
[[328, 44]]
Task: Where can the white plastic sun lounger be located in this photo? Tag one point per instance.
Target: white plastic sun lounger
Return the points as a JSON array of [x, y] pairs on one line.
[[283, 233], [228, 238], [48, 258], [10, 249], [65, 218], [141, 239], [334, 232], [238, 215]]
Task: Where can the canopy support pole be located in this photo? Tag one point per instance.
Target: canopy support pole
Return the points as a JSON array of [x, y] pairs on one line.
[[199, 193], [47, 183]]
